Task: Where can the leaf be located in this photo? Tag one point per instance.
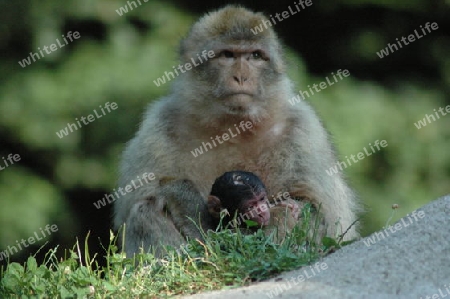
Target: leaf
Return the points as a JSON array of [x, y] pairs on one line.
[[31, 264], [15, 269], [251, 223], [329, 242]]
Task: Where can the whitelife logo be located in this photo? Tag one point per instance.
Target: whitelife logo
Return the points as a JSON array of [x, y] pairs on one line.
[[391, 48], [27, 61]]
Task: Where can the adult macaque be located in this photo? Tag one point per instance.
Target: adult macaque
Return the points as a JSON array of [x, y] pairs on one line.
[[244, 83], [242, 195]]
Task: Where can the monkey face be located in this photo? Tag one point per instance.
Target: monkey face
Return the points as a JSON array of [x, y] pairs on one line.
[[246, 68], [239, 77], [256, 209]]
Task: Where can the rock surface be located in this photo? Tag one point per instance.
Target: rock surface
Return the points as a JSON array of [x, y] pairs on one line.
[[411, 259]]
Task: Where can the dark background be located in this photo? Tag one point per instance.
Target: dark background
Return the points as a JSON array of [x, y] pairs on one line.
[[117, 58]]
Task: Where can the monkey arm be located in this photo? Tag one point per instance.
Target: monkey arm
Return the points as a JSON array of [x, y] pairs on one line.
[[186, 207], [307, 153]]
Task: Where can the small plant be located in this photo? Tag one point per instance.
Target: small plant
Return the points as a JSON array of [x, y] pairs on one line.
[[226, 258]]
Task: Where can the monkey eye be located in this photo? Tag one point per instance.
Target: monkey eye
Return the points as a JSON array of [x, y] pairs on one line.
[[257, 55], [227, 54]]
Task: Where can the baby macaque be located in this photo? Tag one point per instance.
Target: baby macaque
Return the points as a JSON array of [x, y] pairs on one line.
[[243, 195]]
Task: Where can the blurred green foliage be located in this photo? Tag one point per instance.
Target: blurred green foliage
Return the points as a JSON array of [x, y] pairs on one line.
[[118, 57]]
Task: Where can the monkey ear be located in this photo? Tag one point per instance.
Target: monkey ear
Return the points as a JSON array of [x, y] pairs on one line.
[[214, 206]]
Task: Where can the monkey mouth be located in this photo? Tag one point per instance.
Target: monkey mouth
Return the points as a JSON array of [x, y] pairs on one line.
[[238, 102], [238, 96]]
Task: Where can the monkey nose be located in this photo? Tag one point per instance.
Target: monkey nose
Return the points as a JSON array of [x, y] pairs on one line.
[[240, 79]]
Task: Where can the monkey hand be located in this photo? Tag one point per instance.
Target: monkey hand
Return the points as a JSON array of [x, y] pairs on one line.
[[293, 206]]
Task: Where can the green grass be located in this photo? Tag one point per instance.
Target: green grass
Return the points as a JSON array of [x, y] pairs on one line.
[[225, 259]]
